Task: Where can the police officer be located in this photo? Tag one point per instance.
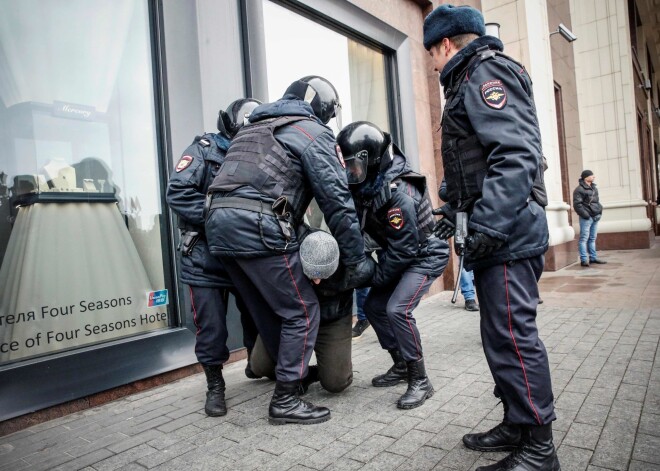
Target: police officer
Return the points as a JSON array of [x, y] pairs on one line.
[[282, 158], [395, 210], [201, 271], [491, 150]]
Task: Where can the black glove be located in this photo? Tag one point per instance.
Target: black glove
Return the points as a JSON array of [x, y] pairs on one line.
[[482, 245], [360, 275], [445, 227]]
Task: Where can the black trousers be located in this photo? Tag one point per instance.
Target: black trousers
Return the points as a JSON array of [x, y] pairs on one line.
[[389, 311], [508, 297], [209, 310], [333, 355], [284, 307]]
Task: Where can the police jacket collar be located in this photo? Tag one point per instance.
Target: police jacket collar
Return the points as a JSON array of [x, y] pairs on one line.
[[289, 105], [457, 63], [399, 166]]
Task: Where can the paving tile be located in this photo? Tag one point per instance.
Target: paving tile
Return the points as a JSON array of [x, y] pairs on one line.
[[123, 458], [573, 459], [582, 436], [424, 459], [449, 437], [408, 444], [647, 448], [649, 424]]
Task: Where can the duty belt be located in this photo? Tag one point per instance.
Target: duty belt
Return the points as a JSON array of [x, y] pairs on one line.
[[242, 203], [280, 209]]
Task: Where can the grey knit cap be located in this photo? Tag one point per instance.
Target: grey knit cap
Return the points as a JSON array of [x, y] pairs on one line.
[[319, 254]]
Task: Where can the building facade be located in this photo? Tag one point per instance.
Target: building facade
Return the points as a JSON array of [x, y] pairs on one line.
[[98, 98]]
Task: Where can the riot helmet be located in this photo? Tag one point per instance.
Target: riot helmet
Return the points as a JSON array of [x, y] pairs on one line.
[[233, 119], [366, 150], [320, 94]]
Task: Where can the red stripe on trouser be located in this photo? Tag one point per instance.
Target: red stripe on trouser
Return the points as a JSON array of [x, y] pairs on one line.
[[192, 304], [522, 365], [302, 362], [412, 331]]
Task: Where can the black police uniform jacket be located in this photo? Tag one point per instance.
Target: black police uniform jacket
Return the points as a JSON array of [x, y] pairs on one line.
[[311, 158], [490, 117], [186, 195], [586, 201], [394, 224]]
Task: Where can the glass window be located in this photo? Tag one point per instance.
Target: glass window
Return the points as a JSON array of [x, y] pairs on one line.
[[80, 204], [297, 46]]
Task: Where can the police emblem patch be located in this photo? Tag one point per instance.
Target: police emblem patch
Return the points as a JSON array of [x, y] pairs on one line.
[[183, 164], [340, 155], [395, 218], [494, 94]]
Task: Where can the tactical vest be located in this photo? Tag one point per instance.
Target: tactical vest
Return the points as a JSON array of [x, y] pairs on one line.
[[258, 160], [425, 220], [464, 158]]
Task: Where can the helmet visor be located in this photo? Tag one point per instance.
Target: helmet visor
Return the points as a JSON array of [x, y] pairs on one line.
[[338, 115], [356, 167]]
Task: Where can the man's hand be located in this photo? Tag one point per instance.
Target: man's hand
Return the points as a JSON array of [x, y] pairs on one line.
[[445, 227], [482, 245]]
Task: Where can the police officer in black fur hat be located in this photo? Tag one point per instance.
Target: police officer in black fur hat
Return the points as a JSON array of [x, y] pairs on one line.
[[395, 210], [201, 271], [277, 163], [491, 151]]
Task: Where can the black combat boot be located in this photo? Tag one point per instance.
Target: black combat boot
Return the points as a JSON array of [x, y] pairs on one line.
[[503, 437], [287, 408], [312, 377], [395, 375], [536, 451], [215, 396], [419, 386]]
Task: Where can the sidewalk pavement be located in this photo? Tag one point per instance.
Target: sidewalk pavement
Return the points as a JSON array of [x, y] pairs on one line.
[[601, 327]]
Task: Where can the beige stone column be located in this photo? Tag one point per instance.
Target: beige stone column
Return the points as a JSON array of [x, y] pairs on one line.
[[606, 99], [524, 32]]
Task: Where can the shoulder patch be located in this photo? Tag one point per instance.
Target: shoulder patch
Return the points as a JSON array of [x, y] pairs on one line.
[[395, 218], [340, 155], [494, 94], [184, 163]]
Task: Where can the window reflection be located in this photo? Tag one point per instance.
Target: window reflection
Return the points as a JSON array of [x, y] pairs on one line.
[[79, 185], [297, 46]]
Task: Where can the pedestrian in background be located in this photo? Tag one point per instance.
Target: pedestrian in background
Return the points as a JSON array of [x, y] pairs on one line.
[[587, 205], [466, 277], [467, 290]]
